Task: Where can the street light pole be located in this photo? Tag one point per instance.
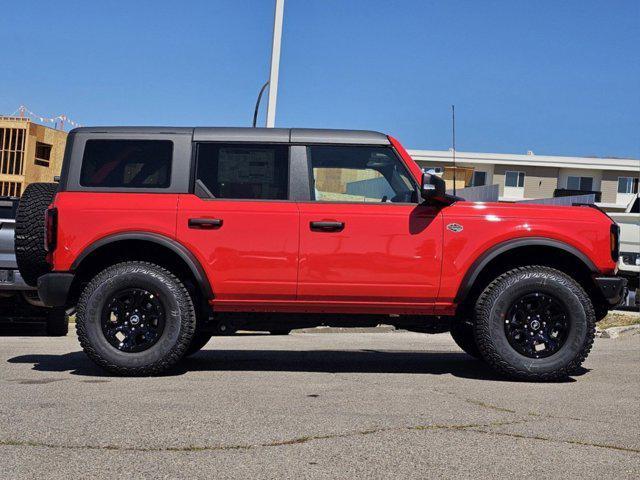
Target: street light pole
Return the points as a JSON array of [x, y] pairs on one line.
[[275, 64]]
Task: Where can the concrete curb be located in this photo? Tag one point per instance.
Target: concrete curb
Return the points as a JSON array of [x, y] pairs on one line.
[[615, 332]]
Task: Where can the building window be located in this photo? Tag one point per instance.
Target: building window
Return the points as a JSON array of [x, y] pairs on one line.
[[43, 154], [514, 179], [12, 151], [627, 185], [580, 183], [479, 179], [10, 189]]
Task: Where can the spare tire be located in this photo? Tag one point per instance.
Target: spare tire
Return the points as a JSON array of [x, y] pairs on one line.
[[30, 228]]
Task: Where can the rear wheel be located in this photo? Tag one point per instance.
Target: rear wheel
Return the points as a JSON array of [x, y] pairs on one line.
[[534, 323], [29, 234], [463, 334], [135, 318], [200, 339]]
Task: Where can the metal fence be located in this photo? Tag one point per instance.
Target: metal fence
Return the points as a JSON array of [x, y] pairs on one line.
[[563, 201], [485, 193]]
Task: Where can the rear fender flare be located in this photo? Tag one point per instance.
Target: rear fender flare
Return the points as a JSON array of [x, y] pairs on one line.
[[185, 255]]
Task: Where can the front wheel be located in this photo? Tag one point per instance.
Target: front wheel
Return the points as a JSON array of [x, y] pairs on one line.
[[463, 334], [534, 323], [135, 318]]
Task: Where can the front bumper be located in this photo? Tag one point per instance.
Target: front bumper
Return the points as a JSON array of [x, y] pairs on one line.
[[53, 288], [613, 289]]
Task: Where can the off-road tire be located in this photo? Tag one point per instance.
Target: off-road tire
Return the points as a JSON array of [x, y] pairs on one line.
[[200, 339], [30, 228], [176, 337], [57, 322], [462, 332], [492, 307]]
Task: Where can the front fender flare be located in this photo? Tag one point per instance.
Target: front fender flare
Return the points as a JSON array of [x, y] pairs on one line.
[[483, 260]]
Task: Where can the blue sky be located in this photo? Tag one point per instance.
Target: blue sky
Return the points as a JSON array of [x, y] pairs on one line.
[[553, 77]]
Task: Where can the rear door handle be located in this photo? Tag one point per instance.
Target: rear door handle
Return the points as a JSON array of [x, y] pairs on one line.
[[326, 226], [205, 223]]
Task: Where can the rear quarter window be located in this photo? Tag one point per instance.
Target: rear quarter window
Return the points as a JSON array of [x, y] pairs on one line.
[[127, 164]]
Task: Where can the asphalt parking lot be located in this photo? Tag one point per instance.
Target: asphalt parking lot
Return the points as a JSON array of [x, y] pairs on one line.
[[343, 405]]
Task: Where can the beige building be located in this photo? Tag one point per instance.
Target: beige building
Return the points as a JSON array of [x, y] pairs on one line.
[[530, 176], [29, 153]]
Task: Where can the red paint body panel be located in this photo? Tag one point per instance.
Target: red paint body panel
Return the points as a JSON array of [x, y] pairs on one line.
[[389, 258], [253, 255], [486, 225], [86, 217], [385, 253]]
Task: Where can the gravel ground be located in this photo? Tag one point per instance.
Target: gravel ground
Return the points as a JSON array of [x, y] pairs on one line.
[[370, 405]]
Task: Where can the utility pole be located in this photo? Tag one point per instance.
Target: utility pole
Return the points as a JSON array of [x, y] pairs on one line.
[[275, 64]]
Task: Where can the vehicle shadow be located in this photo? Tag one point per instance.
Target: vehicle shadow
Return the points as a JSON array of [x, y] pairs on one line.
[[315, 361], [23, 329]]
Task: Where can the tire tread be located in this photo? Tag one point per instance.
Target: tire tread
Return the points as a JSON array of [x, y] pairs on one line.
[[29, 231], [483, 310], [188, 321]]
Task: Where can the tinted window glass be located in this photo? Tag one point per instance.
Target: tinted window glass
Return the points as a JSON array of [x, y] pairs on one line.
[[243, 171], [360, 174], [127, 164]]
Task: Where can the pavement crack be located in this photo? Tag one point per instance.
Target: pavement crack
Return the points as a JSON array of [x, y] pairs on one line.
[[278, 443], [479, 403], [555, 440], [497, 408]]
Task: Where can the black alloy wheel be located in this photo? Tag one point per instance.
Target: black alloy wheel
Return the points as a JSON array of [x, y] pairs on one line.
[[133, 319], [537, 325]]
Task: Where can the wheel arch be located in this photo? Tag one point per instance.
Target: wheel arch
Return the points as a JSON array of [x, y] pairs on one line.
[[144, 246], [536, 251]]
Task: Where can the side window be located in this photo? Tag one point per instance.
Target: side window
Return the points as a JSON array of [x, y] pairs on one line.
[[479, 178], [248, 171], [627, 185], [513, 179], [360, 174], [127, 164]]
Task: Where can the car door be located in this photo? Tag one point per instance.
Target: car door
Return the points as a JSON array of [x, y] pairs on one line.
[[240, 223], [364, 238]]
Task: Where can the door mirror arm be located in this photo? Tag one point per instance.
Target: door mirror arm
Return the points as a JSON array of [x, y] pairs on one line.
[[434, 190]]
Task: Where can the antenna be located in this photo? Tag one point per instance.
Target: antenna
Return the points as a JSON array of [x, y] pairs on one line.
[[255, 111], [453, 135]]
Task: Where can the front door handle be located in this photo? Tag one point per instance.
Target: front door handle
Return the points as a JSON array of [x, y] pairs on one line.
[[326, 226], [205, 223]]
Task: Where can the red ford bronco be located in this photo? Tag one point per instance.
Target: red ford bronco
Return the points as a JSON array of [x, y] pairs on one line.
[[160, 238]]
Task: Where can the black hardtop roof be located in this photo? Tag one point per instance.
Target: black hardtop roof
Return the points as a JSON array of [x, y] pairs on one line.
[[248, 134]]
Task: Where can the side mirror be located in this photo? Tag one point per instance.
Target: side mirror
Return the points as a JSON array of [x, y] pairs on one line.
[[433, 187]]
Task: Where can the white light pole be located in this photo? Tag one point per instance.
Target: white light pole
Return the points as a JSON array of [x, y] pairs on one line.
[[275, 64]]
